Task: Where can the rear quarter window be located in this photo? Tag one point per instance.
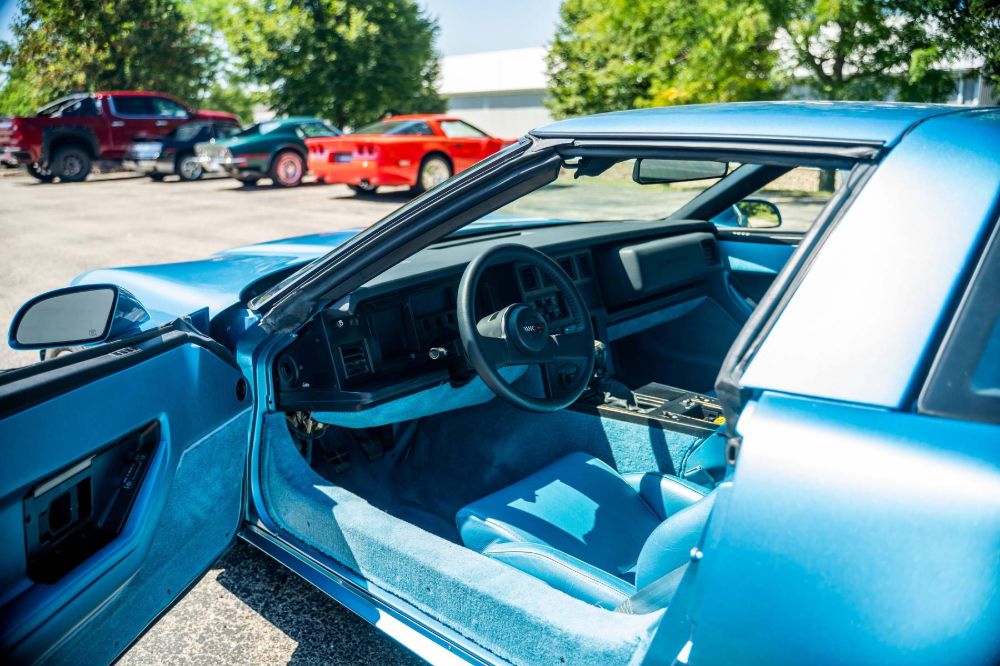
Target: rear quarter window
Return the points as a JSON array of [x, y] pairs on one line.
[[964, 381], [126, 105]]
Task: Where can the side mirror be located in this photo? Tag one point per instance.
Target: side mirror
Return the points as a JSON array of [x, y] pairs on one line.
[[651, 171], [757, 214], [84, 314]]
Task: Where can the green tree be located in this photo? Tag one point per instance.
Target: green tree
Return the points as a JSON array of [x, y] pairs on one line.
[[619, 54], [974, 26], [62, 46], [351, 61], [865, 49]]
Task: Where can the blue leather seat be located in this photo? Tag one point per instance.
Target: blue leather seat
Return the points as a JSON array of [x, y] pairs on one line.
[[589, 531]]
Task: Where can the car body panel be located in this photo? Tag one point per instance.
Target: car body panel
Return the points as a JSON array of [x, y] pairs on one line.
[[178, 523], [903, 510], [215, 283], [250, 156], [880, 122], [395, 159], [875, 298], [866, 532], [160, 156], [26, 140]]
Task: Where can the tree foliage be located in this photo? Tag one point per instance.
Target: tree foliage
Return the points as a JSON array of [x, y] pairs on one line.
[[63, 46], [860, 49], [619, 54], [349, 61]]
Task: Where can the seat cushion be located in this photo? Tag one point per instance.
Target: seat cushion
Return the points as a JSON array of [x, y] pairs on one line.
[[577, 505], [565, 573]]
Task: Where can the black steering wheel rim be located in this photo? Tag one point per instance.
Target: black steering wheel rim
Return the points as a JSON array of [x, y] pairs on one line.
[[512, 336]]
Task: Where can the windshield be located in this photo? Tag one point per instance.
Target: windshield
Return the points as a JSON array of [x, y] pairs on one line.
[[261, 128], [193, 132], [395, 127], [610, 195]]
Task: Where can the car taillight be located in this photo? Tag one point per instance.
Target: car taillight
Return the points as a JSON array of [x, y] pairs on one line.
[[366, 149]]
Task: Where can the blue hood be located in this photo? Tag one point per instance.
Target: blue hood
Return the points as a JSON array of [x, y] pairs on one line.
[[168, 291], [171, 290]]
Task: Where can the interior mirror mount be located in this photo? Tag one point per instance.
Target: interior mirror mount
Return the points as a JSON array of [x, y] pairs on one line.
[[757, 214], [78, 315], [648, 171]]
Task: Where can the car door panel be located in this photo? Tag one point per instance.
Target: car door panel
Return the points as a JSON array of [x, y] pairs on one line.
[[753, 262], [902, 509], [179, 391]]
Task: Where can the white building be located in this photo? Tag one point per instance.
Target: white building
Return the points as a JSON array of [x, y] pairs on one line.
[[502, 91], [498, 91]]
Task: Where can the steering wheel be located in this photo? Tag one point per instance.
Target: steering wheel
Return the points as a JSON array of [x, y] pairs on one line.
[[518, 334]]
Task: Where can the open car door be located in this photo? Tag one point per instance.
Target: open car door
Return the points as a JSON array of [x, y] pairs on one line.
[[121, 482]]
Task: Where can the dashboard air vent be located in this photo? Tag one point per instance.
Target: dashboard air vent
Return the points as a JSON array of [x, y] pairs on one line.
[[529, 281], [355, 358], [711, 251], [566, 263]]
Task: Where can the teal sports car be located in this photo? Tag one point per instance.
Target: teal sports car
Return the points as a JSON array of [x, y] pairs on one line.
[[273, 149]]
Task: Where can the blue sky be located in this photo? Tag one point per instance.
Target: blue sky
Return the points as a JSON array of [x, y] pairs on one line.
[[6, 11], [467, 26]]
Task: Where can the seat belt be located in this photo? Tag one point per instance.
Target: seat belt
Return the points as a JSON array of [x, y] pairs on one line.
[[655, 596]]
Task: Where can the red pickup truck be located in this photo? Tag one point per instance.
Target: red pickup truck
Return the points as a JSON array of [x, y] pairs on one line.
[[66, 137]]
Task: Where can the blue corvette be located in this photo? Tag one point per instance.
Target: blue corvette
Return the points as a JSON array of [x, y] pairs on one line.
[[626, 392]]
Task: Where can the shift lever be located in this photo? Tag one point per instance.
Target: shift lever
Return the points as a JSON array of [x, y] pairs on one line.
[[612, 390]]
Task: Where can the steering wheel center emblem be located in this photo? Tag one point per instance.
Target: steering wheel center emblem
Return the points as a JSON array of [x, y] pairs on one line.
[[527, 329]]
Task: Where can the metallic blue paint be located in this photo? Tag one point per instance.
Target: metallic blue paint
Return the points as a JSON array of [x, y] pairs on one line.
[[851, 530], [851, 535], [168, 534], [861, 323], [126, 317], [217, 282], [880, 122]]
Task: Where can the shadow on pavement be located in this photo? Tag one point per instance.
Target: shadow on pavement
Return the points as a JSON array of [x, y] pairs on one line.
[[325, 631], [264, 185]]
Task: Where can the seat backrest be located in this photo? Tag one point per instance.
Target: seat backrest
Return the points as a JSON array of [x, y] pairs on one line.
[[669, 546]]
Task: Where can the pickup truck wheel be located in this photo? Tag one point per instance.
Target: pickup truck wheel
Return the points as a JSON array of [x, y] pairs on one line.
[[71, 164], [158, 177], [39, 172], [434, 169], [189, 168], [248, 181], [287, 169]]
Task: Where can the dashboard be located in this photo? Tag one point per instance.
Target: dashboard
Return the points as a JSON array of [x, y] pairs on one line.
[[398, 334]]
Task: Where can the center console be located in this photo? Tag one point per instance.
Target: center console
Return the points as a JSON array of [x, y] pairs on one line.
[[697, 451], [669, 407]]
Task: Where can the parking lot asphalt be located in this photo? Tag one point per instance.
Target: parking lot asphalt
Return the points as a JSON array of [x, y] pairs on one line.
[[250, 610], [50, 233], [247, 609]]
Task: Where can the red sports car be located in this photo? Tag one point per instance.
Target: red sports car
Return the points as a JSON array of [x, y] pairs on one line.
[[419, 151]]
